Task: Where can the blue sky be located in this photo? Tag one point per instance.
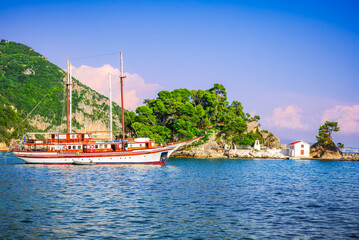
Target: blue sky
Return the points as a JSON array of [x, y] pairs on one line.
[[294, 63]]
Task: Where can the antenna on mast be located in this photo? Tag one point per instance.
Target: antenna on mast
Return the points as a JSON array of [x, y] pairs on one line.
[[121, 67], [122, 106]]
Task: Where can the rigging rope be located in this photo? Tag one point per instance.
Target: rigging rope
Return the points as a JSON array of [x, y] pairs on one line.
[[95, 56]]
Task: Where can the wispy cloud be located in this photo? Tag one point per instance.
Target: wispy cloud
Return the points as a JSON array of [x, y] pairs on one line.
[[289, 117], [346, 116], [135, 87]]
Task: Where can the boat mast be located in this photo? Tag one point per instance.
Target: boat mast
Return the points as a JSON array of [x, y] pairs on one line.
[[122, 108], [70, 93], [67, 96], [109, 75]]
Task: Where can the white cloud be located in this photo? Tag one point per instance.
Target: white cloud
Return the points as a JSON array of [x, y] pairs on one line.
[[290, 117], [346, 116], [135, 88]]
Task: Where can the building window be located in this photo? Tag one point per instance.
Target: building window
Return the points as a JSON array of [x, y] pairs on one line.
[[302, 145]]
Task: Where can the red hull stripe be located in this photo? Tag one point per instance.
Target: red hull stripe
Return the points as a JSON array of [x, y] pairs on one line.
[[127, 163], [51, 163]]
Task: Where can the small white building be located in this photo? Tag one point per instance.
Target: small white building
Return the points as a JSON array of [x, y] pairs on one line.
[[299, 149], [257, 145]]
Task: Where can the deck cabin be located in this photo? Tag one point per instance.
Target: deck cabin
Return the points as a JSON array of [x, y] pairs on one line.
[[83, 143]]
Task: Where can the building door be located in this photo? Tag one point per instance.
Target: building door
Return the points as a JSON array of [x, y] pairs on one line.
[[301, 152]]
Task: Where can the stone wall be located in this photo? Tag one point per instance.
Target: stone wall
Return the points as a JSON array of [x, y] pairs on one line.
[[351, 156]]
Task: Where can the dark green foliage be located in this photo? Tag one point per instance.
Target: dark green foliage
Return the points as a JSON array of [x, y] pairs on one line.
[[27, 78], [325, 132], [183, 114], [324, 137], [11, 122]]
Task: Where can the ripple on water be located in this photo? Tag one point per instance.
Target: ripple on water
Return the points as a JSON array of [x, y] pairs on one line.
[[192, 198]]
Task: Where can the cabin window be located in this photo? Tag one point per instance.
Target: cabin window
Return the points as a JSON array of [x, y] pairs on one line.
[[96, 146], [78, 147], [69, 147], [101, 146], [73, 136]]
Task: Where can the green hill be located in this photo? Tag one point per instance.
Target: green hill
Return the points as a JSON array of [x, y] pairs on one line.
[[33, 95]]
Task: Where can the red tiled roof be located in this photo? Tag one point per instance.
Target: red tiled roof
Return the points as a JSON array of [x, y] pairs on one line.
[[294, 142]]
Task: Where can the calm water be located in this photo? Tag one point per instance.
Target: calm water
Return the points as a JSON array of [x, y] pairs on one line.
[[188, 198]]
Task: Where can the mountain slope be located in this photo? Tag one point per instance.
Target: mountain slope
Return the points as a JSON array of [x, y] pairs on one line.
[[34, 88]]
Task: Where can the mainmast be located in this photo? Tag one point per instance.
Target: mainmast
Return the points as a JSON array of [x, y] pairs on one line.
[[70, 93], [67, 96], [122, 108], [68, 99], [109, 76]]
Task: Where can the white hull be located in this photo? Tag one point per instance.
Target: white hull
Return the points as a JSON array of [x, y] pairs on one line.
[[148, 156]]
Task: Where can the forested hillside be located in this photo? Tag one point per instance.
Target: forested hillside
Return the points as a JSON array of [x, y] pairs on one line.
[[32, 98]]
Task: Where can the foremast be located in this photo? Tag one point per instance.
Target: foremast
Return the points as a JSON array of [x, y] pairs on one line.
[[68, 97], [122, 105]]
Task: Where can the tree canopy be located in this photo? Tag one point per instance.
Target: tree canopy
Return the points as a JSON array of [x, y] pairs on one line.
[[325, 132], [184, 114]]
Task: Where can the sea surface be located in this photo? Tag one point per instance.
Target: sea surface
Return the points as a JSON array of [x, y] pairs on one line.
[[186, 199]]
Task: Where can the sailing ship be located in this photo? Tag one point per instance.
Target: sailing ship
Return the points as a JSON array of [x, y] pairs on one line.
[[82, 148]]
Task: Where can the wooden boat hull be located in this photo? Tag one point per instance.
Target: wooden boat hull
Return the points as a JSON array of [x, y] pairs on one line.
[[147, 156]]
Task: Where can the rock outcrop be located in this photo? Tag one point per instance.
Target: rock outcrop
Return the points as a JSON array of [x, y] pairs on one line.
[[325, 150], [269, 139], [215, 149], [322, 153], [210, 149]]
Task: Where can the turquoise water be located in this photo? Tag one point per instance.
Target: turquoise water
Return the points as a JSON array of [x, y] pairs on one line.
[[186, 199]]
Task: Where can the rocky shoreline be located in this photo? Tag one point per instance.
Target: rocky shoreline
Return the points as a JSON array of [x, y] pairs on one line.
[[252, 154], [213, 149]]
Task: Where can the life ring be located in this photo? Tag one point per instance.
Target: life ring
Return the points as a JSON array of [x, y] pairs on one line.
[[92, 146], [65, 147]]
